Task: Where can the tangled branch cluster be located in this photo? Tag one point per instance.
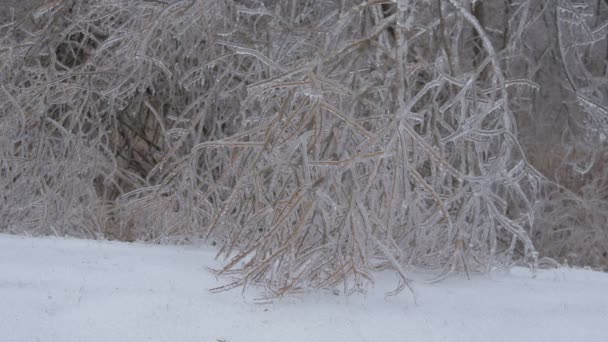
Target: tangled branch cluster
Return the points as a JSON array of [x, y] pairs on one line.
[[313, 141]]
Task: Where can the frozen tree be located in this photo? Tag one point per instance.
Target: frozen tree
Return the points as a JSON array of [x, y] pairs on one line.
[[571, 69], [314, 142]]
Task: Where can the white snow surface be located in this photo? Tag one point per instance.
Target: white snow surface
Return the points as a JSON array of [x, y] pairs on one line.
[[56, 289]]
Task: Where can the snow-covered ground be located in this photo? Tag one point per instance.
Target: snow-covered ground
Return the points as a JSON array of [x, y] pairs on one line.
[[66, 290]]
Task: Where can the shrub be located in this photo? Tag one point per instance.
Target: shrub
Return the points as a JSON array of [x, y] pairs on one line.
[[313, 141]]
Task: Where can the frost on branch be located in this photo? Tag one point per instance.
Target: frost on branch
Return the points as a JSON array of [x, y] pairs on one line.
[[313, 141], [573, 209]]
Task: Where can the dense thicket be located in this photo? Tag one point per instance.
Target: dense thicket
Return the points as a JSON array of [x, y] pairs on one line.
[[312, 141]]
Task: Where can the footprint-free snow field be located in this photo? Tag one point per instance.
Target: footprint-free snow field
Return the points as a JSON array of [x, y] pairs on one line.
[[63, 290]]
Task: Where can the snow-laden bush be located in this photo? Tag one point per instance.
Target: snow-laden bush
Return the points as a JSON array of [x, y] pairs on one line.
[[313, 141]]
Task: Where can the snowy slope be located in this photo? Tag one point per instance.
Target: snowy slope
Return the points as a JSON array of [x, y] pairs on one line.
[[75, 290]]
